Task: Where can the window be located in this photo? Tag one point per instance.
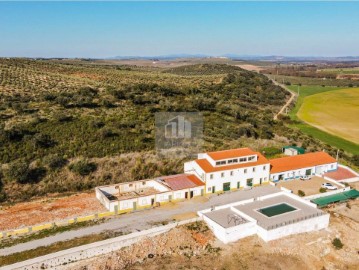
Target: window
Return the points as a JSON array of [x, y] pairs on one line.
[[211, 176], [332, 166], [264, 168], [245, 170], [130, 185], [238, 184], [218, 163], [162, 198], [250, 158], [143, 183], [265, 179], [231, 173], [230, 161], [209, 189], [254, 169], [235, 160], [222, 174], [242, 159], [223, 162]]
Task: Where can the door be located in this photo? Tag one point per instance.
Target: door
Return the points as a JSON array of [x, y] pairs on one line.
[[191, 194], [152, 201], [308, 172], [186, 195], [226, 186], [249, 182], [213, 189], [134, 206], [170, 198], [202, 192]]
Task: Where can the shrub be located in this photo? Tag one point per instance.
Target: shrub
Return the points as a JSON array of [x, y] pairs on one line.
[[322, 190], [43, 141], [83, 167], [337, 243], [55, 161], [301, 193], [18, 171]]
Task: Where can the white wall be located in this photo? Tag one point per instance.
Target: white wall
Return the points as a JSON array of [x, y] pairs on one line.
[[308, 225], [239, 175]]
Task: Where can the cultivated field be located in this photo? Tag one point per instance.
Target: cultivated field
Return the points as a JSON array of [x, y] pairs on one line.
[[335, 112]]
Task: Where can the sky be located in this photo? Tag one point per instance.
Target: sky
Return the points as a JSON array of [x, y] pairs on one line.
[[107, 29]]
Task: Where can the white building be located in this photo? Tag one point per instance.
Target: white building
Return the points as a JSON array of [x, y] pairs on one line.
[[292, 167], [230, 169], [271, 216], [136, 195]]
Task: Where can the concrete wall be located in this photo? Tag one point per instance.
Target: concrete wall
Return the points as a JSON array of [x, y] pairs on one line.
[[65, 257], [231, 234], [308, 225]]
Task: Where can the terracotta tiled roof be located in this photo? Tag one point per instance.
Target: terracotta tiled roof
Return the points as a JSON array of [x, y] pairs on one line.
[[182, 181], [232, 153], [207, 167], [341, 174], [300, 161]]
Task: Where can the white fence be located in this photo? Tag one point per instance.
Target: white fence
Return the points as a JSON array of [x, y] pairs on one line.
[[65, 257]]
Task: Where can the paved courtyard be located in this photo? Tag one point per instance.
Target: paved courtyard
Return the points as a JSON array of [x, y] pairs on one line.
[[310, 187]]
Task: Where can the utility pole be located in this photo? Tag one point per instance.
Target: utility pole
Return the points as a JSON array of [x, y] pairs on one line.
[[337, 158]]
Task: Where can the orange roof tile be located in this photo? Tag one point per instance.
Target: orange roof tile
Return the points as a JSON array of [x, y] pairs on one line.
[[182, 181], [207, 167], [300, 161], [232, 153]]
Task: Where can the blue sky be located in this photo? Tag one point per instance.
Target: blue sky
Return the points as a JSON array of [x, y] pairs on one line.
[[94, 29]]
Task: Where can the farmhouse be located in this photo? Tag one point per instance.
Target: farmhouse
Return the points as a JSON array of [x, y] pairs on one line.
[[230, 169], [292, 167], [271, 215], [213, 172]]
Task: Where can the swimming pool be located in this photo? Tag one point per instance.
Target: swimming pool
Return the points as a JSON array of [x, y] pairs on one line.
[[277, 209]]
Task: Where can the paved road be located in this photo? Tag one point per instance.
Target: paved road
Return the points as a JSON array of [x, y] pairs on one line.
[[145, 219], [291, 99]]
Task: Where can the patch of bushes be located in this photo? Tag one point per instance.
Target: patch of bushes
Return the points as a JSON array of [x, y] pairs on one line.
[[55, 162], [83, 167]]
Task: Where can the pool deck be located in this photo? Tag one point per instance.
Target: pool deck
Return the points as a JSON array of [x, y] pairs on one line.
[[303, 211]]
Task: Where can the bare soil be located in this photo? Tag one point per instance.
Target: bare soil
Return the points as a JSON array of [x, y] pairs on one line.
[[48, 210], [182, 248]]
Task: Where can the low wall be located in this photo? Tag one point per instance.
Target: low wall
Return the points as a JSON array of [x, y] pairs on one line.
[[91, 250], [320, 195]]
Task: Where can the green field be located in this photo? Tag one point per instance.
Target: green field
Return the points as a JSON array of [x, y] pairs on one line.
[[335, 112], [341, 70], [335, 141]]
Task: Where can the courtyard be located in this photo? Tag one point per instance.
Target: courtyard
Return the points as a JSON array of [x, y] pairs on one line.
[[309, 187]]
